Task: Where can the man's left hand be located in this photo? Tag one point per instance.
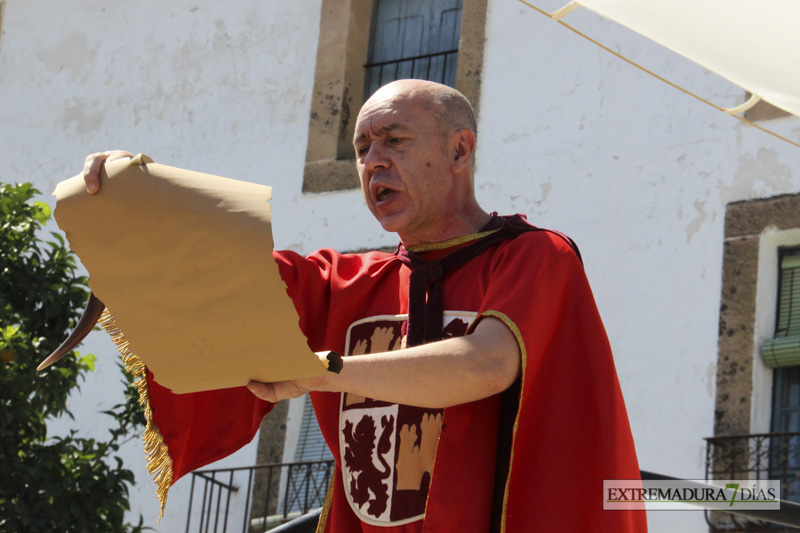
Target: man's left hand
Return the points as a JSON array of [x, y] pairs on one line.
[[283, 390]]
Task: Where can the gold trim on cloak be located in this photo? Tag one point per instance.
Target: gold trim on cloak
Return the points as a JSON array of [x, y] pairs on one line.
[[326, 508], [448, 243], [159, 463], [523, 360]]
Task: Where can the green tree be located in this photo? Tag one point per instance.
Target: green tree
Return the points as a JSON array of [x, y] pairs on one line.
[[63, 483]]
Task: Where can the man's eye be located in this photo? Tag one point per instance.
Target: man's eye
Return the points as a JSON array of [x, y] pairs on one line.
[[395, 140]]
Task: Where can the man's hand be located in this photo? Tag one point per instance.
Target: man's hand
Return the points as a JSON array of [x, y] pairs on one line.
[[284, 390], [93, 163]]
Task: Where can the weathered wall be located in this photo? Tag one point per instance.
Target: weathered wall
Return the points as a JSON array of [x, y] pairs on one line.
[[638, 173]]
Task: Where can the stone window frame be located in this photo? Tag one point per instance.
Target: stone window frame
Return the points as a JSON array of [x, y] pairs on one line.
[[339, 86], [754, 232]]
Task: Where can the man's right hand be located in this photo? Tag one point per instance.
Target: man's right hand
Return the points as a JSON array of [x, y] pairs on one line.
[[93, 163]]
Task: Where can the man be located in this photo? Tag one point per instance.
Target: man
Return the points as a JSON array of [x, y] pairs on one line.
[[470, 304]]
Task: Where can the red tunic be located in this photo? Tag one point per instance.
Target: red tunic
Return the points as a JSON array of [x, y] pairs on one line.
[[571, 430]]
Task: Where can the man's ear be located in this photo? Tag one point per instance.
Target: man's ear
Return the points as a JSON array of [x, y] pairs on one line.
[[463, 149]]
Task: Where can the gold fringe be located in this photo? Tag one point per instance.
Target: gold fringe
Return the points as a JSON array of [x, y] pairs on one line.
[[159, 463]]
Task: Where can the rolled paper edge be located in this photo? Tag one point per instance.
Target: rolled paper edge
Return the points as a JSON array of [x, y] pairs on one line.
[[141, 160], [159, 463], [91, 314], [332, 361]]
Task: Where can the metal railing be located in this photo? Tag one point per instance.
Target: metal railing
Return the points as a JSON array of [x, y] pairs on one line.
[[439, 67], [757, 456], [263, 496]]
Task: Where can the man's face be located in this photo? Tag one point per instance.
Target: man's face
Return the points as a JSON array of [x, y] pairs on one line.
[[403, 161]]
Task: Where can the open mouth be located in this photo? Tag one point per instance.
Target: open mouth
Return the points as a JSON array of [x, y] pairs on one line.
[[383, 193]]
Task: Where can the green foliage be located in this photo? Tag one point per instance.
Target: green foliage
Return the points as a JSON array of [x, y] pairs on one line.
[[58, 484]]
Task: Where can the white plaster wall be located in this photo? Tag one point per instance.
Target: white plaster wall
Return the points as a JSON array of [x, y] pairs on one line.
[[638, 173]]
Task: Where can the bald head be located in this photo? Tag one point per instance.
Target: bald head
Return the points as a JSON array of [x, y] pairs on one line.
[[451, 108]]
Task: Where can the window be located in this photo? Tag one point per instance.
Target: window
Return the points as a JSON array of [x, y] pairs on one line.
[[311, 445], [757, 402], [755, 233], [303, 482], [413, 39], [444, 28], [786, 403], [782, 352]]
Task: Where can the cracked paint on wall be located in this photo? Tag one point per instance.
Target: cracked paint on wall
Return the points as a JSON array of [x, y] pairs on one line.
[[759, 176], [698, 220], [70, 55]]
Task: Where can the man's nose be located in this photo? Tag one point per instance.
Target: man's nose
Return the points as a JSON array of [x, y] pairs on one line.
[[375, 158]]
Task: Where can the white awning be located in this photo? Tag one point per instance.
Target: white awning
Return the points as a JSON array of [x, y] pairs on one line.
[[754, 44]]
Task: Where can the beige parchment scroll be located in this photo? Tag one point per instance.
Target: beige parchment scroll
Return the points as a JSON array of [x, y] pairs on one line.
[[183, 261]]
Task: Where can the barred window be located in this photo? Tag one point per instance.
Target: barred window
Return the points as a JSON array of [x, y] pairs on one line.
[[413, 39]]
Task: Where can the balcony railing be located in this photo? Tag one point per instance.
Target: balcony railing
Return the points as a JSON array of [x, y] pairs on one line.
[[257, 498], [758, 456]]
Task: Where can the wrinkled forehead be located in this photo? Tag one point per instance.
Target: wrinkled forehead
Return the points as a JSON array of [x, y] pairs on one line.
[[374, 119], [390, 113]]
